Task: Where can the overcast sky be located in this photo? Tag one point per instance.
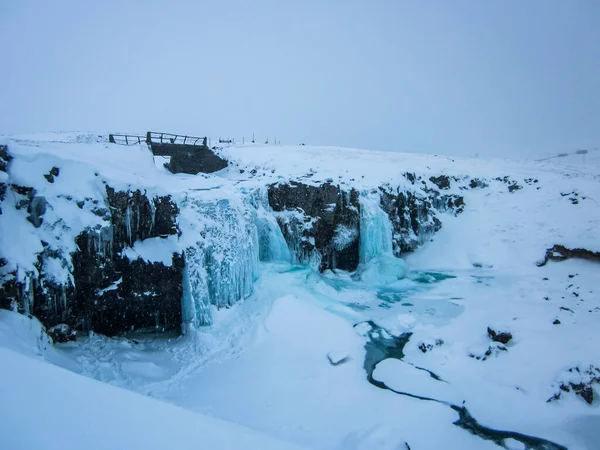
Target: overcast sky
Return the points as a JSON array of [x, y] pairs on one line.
[[503, 78]]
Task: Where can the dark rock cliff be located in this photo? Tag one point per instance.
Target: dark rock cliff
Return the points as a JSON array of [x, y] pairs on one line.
[[190, 159], [115, 294], [413, 212], [323, 224], [103, 289]]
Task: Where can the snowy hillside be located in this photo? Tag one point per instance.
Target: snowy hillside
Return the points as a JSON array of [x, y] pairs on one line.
[[99, 416], [319, 297]]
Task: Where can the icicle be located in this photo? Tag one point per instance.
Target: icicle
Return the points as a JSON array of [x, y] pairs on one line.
[[152, 213], [128, 224]]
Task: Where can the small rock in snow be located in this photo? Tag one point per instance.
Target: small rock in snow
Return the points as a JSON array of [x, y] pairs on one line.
[[503, 337], [62, 333]]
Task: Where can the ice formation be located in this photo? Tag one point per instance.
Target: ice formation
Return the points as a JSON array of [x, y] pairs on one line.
[[272, 244], [375, 229], [223, 263], [378, 265]]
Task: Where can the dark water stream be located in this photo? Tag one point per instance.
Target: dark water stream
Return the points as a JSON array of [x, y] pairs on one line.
[[382, 345]]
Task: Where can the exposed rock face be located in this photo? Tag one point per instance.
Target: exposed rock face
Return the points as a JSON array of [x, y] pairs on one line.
[[4, 158], [562, 253], [135, 217], [62, 333], [581, 381], [97, 287], [320, 223], [115, 294], [442, 181], [413, 212], [411, 217], [146, 296], [190, 159], [476, 183], [504, 337]]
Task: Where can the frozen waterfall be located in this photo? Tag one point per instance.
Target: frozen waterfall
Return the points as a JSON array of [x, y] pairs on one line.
[[222, 265], [378, 265], [272, 244], [375, 229]]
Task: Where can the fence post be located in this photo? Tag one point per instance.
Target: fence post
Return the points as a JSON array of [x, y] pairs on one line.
[[149, 137]]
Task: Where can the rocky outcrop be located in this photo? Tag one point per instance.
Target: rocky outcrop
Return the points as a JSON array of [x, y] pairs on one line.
[[115, 294], [146, 296], [580, 381], [5, 158], [504, 337], [190, 159], [90, 284], [134, 216], [561, 253], [411, 217], [62, 333], [320, 223], [413, 212]]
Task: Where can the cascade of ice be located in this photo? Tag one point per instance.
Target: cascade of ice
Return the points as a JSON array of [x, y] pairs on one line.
[[375, 229], [378, 265], [272, 244], [196, 301], [222, 265]]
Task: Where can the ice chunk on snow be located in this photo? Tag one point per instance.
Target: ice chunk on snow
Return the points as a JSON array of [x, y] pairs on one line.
[[337, 357]]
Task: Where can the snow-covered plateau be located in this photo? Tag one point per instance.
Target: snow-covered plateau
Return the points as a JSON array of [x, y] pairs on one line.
[[302, 297]]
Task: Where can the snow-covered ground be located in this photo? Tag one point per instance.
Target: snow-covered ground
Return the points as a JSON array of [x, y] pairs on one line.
[[264, 367]]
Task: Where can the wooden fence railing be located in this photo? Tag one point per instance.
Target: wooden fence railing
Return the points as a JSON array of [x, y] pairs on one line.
[[168, 138], [157, 138], [126, 139]]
